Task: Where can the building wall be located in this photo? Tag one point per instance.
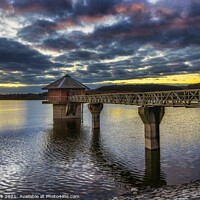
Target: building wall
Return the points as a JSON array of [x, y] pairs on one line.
[[62, 94], [55, 95]]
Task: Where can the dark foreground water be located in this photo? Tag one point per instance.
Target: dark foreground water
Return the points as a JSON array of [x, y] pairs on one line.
[[42, 156]]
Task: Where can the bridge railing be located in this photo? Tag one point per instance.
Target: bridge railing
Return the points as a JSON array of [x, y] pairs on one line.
[[184, 98]]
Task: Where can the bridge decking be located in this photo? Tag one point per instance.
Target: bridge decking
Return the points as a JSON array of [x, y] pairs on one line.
[[176, 98]]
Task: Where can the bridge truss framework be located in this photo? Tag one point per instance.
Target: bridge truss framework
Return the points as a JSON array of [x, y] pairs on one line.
[[176, 98]]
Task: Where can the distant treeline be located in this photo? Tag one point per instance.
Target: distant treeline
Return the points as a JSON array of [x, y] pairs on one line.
[[193, 86], [140, 88], [28, 96]]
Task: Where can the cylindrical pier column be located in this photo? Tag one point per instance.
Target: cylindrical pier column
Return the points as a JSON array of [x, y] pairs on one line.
[[151, 117], [95, 109]]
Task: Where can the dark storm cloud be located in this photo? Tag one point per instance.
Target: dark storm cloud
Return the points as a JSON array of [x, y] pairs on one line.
[[42, 28], [84, 76], [96, 68], [168, 70], [63, 9], [60, 44], [20, 57], [107, 73], [95, 7], [194, 10], [36, 30], [168, 26], [180, 31], [171, 27], [78, 55], [51, 7], [17, 57], [135, 67], [113, 52]]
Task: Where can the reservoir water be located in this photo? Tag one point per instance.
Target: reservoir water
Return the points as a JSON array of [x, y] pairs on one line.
[[39, 155]]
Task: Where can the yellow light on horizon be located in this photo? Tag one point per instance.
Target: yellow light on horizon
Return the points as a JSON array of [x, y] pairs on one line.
[[17, 85], [170, 79]]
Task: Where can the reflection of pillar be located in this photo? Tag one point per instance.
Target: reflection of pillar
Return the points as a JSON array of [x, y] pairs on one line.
[[96, 140], [67, 111], [151, 117], [63, 128], [64, 139], [153, 175], [95, 109]]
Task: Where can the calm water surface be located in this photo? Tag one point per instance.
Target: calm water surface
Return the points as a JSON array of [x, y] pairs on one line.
[[42, 156]]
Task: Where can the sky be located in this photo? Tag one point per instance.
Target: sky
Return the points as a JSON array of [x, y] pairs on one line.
[[98, 42]]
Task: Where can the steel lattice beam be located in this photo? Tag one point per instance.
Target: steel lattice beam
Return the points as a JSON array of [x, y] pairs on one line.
[[182, 98]]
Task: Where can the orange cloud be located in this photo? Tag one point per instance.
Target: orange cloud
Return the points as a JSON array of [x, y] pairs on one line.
[[33, 8], [176, 22], [185, 23], [134, 8], [164, 12], [6, 6], [63, 24], [97, 18]]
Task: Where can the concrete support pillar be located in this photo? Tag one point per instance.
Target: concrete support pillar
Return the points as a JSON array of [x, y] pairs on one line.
[[95, 109], [67, 111], [151, 117]]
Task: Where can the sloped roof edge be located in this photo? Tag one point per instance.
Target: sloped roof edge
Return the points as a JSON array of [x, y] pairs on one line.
[[66, 82]]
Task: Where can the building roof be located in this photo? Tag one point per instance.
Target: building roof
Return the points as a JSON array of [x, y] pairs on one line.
[[66, 82]]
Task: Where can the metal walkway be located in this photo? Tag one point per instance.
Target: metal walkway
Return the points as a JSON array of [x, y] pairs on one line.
[[176, 98]]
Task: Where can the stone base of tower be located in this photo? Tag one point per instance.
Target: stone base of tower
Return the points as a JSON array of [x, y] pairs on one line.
[[67, 111]]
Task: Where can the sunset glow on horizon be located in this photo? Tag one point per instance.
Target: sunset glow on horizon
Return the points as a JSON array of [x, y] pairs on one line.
[[173, 79]]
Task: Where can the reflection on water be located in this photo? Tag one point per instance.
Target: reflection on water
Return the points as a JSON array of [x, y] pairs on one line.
[[45, 156], [19, 115], [153, 175]]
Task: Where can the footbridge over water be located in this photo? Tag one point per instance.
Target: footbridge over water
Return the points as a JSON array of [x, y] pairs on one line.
[[151, 107], [183, 98]]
